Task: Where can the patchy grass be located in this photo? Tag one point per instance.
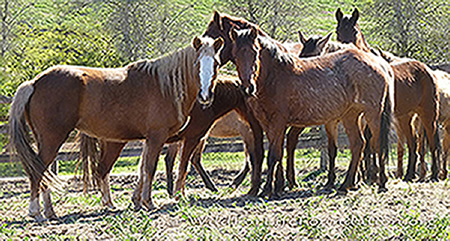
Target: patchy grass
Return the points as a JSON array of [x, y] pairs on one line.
[[406, 211]]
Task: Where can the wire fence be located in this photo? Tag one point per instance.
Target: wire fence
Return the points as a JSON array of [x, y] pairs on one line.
[[35, 35]]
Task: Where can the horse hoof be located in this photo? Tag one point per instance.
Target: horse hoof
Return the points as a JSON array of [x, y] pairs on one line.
[[213, 189], [353, 188], [137, 207], [341, 192], [293, 186], [51, 215], [409, 178], [37, 217], [253, 192], [178, 195], [149, 205], [264, 194], [382, 189]]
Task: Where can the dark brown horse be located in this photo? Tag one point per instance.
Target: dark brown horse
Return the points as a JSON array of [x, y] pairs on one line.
[[230, 125], [228, 97], [148, 99], [288, 91], [415, 93]]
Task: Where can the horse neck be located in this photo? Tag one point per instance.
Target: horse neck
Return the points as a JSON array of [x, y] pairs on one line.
[[183, 81], [228, 96], [268, 65]]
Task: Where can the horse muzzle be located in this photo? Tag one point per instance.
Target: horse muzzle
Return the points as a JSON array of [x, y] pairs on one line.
[[205, 101], [249, 90]]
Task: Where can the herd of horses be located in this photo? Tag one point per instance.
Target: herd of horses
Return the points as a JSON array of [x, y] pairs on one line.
[[176, 99]]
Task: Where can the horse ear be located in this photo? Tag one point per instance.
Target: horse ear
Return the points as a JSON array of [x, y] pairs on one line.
[[217, 19], [218, 44], [197, 43], [233, 34], [301, 37], [382, 54], [355, 16], [253, 33], [339, 15], [324, 41]]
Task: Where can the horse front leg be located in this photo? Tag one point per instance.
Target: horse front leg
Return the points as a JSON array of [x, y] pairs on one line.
[[189, 146], [155, 144], [258, 146], [171, 154], [276, 137]]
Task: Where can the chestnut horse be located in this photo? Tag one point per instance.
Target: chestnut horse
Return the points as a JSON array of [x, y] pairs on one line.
[[227, 97], [415, 93], [220, 26], [288, 91], [148, 99]]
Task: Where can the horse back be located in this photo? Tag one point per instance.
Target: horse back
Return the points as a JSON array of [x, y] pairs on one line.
[[57, 95], [415, 86]]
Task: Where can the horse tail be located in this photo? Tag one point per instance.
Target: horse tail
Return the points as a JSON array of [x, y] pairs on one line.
[[385, 126], [89, 157], [20, 139]]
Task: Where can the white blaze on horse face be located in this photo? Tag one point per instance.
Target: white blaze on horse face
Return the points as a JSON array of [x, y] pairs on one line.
[[206, 75]]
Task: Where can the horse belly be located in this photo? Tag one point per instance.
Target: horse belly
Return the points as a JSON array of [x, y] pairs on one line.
[[228, 126]]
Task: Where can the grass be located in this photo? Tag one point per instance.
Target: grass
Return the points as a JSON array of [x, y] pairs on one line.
[[407, 211]]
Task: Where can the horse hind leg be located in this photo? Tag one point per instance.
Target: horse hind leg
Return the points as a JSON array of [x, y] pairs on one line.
[[355, 136], [196, 162], [249, 150], [432, 139], [291, 144], [48, 146], [404, 126], [110, 152], [332, 133], [446, 148]]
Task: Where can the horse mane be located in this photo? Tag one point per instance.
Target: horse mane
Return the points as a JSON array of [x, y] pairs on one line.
[[276, 52], [171, 71], [361, 42], [242, 24], [333, 46]]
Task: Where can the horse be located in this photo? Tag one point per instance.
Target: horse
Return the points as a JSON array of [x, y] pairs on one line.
[[220, 26], [415, 93], [228, 97], [233, 118], [230, 125], [288, 91], [147, 99], [442, 81]]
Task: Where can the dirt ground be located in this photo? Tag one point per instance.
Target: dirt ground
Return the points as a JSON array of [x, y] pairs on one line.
[[407, 210]]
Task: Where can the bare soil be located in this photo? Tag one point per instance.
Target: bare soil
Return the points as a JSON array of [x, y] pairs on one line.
[[407, 210]]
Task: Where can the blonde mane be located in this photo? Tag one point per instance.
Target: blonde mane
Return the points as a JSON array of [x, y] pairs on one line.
[[172, 71]]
